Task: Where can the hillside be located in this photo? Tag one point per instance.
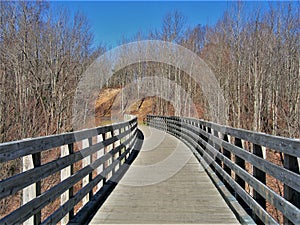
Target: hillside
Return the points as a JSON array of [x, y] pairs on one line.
[[108, 102]]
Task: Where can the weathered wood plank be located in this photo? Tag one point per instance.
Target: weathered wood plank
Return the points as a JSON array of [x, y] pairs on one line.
[[240, 213], [86, 213], [186, 197]]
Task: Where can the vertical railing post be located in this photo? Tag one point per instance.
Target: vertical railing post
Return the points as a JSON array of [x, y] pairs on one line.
[[218, 148], [261, 176], [167, 125], [178, 125], [127, 137], [240, 162], [71, 190], [104, 152], [29, 192], [64, 174], [204, 128], [209, 141], [109, 148], [37, 160], [91, 174], [227, 154], [100, 153], [85, 162], [125, 147], [120, 150], [112, 133], [291, 163]]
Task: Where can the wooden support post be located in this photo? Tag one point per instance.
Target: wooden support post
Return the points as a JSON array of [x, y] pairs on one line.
[[291, 163], [91, 174], [261, 176], [218, 148], [29, 192], [204, 128], [104, 152], [128, 136], [71, 190], [226, 154], [179, 124], [208, 131], [85, 162], [123, 140], [120, 143], [37, 160], [240, 162], [202, 136], [33, 190], [108, 148], [64, 174], [100, 153], [209, 142], [113, 157]]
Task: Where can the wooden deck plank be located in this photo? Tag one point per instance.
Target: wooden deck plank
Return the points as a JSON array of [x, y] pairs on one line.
[[165, 184]]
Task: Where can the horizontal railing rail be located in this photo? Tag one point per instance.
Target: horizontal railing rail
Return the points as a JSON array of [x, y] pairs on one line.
[[238, 158], [61, 173]]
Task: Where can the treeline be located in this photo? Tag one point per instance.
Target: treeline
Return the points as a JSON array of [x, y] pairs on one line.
[[43, 55], [255, 57]]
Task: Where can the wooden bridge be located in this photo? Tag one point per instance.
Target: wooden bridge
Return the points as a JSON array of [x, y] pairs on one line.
[[175, 170]]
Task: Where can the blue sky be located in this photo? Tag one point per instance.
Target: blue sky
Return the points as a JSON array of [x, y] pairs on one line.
[[112, 20]]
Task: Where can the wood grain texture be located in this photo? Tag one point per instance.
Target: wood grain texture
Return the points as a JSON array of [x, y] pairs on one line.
[[187, 196]]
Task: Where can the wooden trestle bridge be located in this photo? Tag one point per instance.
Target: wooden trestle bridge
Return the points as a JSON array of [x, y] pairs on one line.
[[175, 170]]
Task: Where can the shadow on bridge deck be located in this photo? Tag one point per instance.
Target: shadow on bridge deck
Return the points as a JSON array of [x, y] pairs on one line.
[[165, 184]]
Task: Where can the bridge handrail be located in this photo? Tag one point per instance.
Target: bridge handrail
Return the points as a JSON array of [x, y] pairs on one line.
[[227, 150], [281, 144], [16, 149], [102, 152]]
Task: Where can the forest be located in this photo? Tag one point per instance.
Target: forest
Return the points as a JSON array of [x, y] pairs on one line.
[[254, 55]]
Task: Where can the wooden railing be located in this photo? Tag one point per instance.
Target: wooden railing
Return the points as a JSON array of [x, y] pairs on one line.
[[87, 163], [237, 158]]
